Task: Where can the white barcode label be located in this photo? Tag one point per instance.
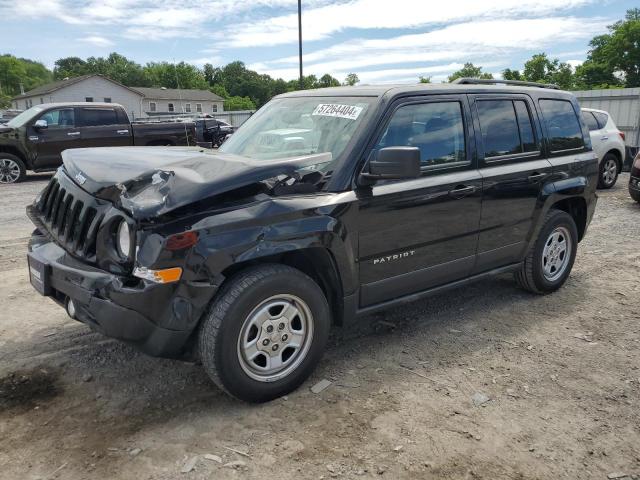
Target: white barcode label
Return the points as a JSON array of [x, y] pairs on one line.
[[336, 110]]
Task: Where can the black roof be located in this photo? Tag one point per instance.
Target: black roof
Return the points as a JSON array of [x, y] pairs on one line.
[[420, 89]]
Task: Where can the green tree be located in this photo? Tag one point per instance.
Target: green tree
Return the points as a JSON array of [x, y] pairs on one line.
[[118, 68], [220, 90], [5, 101], [540, 68], [351, 80], [425, 79], [616, 51], [470, 71], [328, 81], [69, 67], [170, 75], [509, 74], [15, 72], [239, 103]]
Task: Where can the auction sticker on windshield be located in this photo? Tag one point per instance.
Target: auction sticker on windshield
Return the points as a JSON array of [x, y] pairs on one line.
[[336, 110]]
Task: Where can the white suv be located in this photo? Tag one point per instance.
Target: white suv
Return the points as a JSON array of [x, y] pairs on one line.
[[608, 143]]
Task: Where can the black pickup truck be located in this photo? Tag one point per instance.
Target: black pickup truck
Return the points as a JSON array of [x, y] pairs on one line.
[[35, 139], [324, 206]]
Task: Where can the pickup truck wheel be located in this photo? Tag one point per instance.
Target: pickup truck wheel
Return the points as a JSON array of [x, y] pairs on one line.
[[549, 263], [264, 333], [609, 171], [12, 169]]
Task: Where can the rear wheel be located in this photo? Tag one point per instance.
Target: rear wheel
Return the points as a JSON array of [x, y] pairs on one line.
[[549, 263], [265, 332], [635, 195], [609, 171], [12, 169]]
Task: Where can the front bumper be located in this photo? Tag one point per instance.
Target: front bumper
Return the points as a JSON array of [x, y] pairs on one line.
[[157, 319]]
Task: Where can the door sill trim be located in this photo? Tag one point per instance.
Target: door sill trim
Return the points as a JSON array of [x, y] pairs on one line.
[[433, 291]]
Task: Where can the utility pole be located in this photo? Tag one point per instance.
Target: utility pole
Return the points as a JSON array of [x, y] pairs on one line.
[[300, 42]]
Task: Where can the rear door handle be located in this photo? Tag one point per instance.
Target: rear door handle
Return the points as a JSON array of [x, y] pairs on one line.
[[536, 177], [122, 132], [462, 191], [73, 134]]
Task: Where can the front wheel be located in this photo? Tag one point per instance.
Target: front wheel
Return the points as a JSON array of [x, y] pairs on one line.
[[265, 332], [549, 263], [609, 171], [12, 169]]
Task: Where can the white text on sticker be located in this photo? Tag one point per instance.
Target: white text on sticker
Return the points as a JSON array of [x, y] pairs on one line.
[[335, 110]]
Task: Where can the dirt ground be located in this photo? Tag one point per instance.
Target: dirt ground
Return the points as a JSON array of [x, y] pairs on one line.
[[556, 383]]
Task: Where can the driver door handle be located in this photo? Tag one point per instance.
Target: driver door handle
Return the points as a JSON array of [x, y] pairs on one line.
[[462, 191], [73, 134], [536, 177], [122, 132]]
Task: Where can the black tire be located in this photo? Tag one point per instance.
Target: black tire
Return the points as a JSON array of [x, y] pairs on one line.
[[635, 195], [222, 328], [8, 162], [531, 275], [607, 178]]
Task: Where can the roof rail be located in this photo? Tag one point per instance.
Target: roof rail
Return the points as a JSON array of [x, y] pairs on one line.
[[487, 81]]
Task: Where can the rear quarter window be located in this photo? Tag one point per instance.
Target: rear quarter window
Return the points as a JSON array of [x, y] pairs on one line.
[[563, 128], [602, 118], [590, 121]]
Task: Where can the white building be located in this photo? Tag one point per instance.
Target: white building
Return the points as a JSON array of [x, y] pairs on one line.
[[138, 101]]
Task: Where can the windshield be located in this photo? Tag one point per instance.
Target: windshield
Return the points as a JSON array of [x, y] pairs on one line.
[[291, 127], [24, 117]]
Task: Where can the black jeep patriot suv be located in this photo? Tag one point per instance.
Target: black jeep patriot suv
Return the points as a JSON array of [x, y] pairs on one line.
[[325, 205]]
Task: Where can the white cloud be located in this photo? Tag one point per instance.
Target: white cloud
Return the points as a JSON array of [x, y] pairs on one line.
[[479, 41], [183, 15], [97, 41], [321, 22]]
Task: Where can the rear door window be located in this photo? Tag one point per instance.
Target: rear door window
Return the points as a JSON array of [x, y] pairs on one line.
[[98, 117], [602, 118], [590, 121], [506, 127], [563, 127]]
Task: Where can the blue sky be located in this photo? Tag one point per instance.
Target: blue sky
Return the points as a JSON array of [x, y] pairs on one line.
[[383, 41]]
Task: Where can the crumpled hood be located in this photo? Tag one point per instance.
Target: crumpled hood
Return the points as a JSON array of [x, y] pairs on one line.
[[151, 181], [5, 129]]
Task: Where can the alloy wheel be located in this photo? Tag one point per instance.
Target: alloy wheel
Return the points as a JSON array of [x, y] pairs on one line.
[[609, 171], [9, 170]]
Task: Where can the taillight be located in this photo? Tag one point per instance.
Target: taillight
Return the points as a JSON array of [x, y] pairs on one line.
[[622, 136]]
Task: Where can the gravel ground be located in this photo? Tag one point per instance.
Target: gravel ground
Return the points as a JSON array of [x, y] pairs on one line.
[[485, 381]]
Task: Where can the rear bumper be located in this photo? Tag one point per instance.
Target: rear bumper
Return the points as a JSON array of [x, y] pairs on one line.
[[157, 319]]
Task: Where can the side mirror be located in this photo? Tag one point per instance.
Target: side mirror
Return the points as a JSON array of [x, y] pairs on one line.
[[394, 163], [40, 124]]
